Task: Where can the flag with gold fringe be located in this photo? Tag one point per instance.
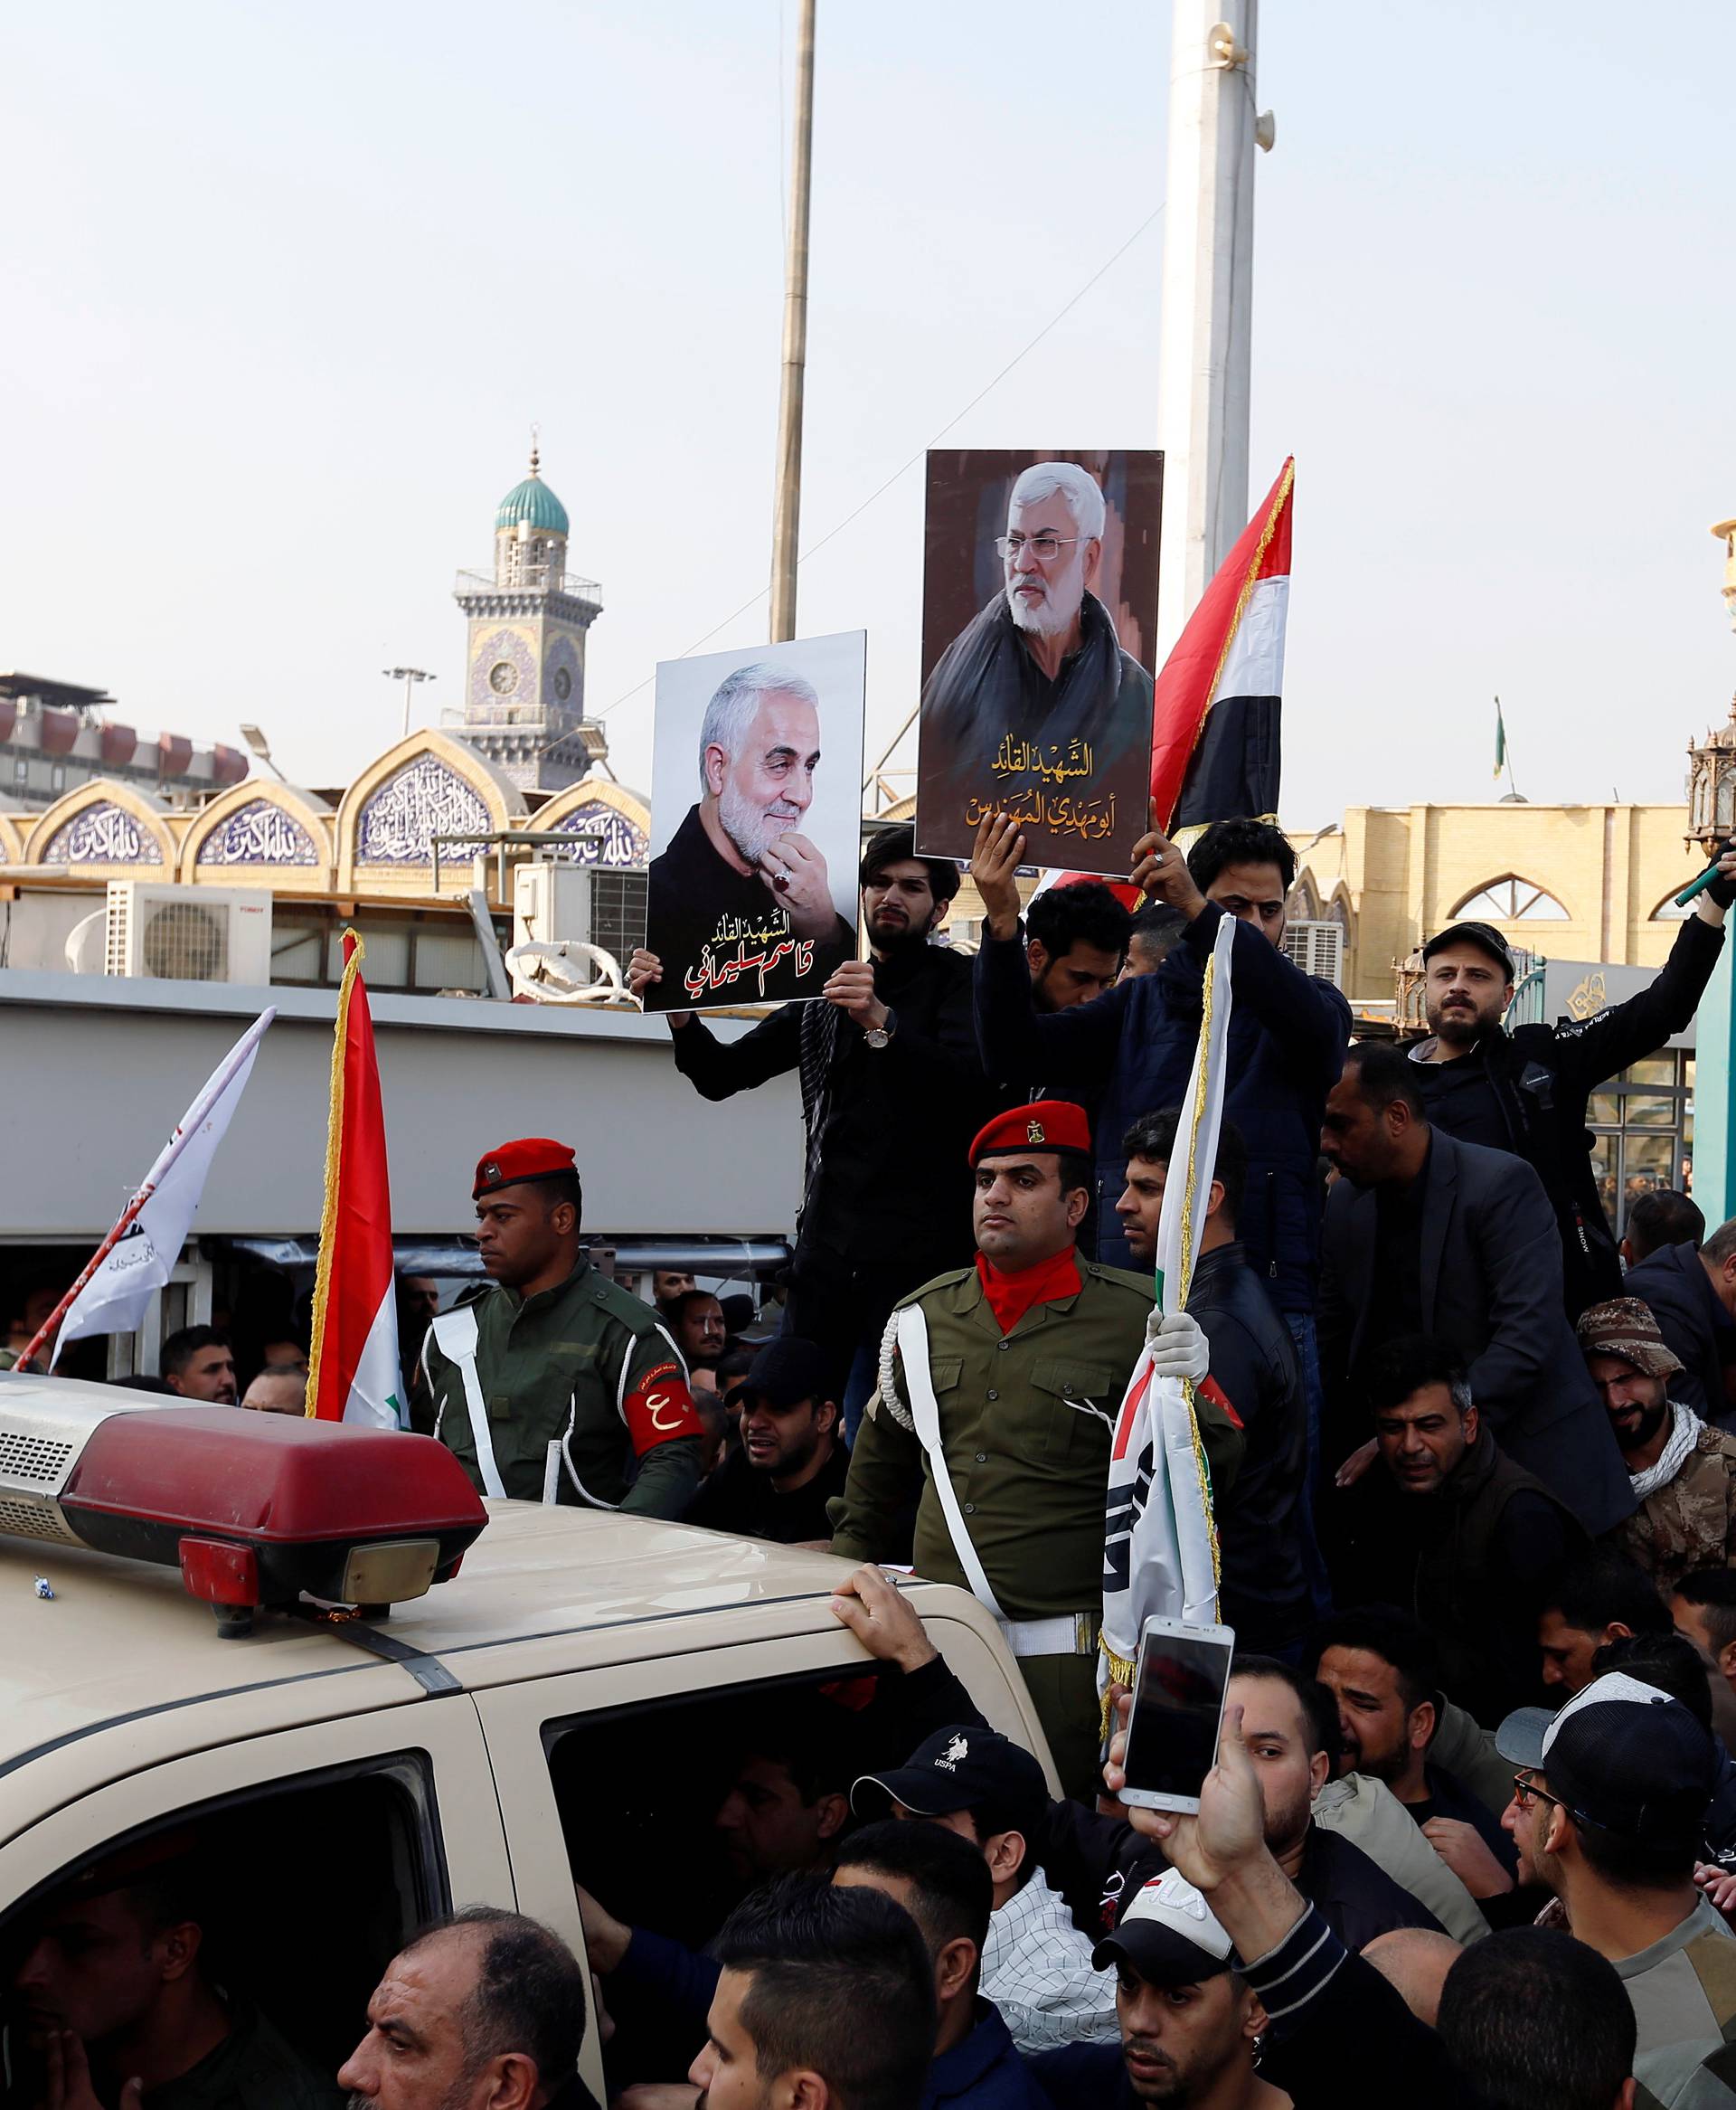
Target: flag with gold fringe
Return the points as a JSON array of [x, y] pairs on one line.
[[354, 1373], [1160, 1544]]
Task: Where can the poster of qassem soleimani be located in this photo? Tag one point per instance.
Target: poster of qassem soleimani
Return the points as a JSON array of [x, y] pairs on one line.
[[1039, 619], [756, 791]]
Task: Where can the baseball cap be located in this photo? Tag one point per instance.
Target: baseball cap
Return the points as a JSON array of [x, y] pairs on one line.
[[961, 1768], [1622, 1756], [1625, 1327], [785, 1372], [1167, 1934], [1484, 935]]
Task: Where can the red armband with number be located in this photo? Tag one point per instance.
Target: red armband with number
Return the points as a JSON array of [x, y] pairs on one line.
[[659, 1408]]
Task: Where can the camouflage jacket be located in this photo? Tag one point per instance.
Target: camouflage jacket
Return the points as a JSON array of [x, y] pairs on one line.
[[1690, 1523]]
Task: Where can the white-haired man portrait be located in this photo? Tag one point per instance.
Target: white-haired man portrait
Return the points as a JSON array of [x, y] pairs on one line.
[[739, 905], [1035, 702]]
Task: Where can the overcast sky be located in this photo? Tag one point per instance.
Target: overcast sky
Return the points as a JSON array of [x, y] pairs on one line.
[[287, 288]]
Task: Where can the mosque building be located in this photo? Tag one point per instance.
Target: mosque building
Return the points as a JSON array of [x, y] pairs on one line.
[[522, 758]]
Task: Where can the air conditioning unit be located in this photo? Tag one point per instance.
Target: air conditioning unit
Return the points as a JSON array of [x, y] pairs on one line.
[[551, 903], [1318, 947], [189, 933]]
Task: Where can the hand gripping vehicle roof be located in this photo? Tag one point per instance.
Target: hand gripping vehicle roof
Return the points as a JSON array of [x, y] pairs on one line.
[[557, 1696]]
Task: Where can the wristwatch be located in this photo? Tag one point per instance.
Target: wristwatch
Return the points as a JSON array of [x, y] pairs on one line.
[[878, 1036]]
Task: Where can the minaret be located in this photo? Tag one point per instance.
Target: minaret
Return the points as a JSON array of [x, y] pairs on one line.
[[525, 680]]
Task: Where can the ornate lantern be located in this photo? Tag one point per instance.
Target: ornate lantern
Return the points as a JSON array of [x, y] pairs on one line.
[[1712, 766]]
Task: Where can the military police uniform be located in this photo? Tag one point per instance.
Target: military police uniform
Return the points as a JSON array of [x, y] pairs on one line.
[[575, 1395], [1022, 1419]]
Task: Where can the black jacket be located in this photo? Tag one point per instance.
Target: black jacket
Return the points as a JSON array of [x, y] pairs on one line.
[[1135, 1045], [1469, 1563], [889, 1130], [1492, 1287], [1696, 1329], [1541, 1078], [1261, 1526]]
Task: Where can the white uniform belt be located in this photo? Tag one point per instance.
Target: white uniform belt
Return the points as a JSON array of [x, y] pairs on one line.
[[1069, 1633]]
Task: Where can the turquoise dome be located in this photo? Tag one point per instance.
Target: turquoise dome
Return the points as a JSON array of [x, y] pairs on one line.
[[533, 501]]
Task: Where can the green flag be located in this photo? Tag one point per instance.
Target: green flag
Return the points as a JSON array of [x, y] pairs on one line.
[[1500, 741]]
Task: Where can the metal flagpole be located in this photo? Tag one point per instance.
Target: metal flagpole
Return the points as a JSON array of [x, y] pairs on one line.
[[785, 523]]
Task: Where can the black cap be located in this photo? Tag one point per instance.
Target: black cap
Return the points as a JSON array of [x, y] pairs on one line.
[[961, 1769], [784, 1373], [1484, 936], [1622, 1756]]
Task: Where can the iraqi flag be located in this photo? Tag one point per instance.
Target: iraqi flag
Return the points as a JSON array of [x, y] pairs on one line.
[[1215, 734], [1160, 1540], [353, 1374], [1214, 739]]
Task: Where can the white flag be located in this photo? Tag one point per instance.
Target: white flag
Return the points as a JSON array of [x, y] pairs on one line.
[[120, 1287], [1160, 1544]]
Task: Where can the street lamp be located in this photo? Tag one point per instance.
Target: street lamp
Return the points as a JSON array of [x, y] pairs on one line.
[[261, 748], [409, 677]]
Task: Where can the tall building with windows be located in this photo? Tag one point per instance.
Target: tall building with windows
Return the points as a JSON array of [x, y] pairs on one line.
[[525, 669]]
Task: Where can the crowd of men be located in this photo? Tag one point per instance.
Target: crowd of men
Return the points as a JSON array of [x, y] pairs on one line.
[[1472, 1828]]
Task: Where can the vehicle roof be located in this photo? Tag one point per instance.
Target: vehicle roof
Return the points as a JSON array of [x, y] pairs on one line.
[[120, 1637]]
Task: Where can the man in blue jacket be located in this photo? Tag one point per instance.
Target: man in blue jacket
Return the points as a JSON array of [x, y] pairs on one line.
[[1134, 1043]]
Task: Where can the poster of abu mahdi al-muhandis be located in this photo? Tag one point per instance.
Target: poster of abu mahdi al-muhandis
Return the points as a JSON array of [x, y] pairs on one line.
[[755, 789], [1039, 621]]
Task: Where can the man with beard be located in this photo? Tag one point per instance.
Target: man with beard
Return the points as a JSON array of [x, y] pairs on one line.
[[485, 2011], [199, 1364], [790, 1463], [118, 2003], [1034, 706], [1381, 1667], [1684, 1472], [695, 1324], [889, 1074], [1189, 2021], [1526, 1091], [738, 907], [1427, 1235]]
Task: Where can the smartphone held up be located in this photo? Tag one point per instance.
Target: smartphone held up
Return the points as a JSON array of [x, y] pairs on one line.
[[1178, 1714]]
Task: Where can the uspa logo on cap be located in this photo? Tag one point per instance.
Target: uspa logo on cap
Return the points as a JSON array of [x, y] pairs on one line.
[[954, 1754]]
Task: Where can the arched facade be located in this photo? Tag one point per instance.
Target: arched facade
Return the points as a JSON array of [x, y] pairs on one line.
[[621, 818], [107, 829], [1511, 900], [425, 785], [261, 830], [12, 842]]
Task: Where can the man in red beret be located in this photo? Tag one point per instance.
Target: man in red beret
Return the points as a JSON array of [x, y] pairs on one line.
[[999, 1385], [551, 1382]]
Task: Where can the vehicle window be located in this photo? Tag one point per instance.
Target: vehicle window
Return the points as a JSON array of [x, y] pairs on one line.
[[672, 1809], [301, 1894]]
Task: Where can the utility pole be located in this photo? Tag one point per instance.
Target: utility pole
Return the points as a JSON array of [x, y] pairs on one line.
[[786, 508], [1206, 334], [409, 677]]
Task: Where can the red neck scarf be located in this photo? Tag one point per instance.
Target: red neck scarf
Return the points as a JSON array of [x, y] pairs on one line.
[[1010, 1296]]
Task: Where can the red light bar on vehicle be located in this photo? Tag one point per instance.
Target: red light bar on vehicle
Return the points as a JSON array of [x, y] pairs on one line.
[[253, 1509]]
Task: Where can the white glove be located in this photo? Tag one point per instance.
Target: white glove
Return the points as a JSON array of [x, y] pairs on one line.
[[1178, 1346]]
